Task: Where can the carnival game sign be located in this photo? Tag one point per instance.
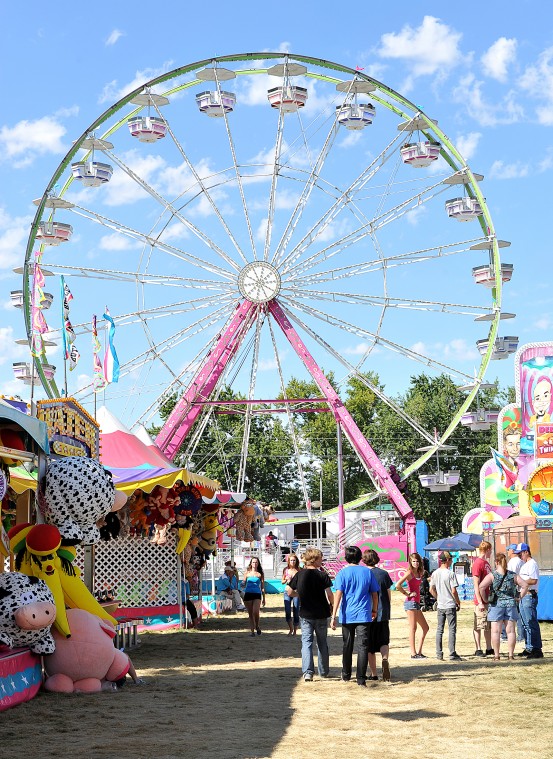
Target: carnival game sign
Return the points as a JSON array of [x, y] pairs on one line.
[[71, 429], [544, 441]]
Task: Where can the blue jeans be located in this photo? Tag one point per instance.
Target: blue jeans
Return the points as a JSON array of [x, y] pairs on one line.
[[528, 609], [349, 631], [451, 616], [311, 629], [292, 605]]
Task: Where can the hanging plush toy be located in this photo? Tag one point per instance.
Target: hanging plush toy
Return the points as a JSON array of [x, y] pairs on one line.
[[258, 521], [77, 493], [243, 520], [208, 538]]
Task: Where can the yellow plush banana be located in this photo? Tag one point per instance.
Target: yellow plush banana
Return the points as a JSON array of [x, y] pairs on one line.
[[42, 542], [184, 537], [75, 592]]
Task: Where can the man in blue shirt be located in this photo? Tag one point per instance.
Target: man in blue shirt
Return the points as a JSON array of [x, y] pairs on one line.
[[356, 595]]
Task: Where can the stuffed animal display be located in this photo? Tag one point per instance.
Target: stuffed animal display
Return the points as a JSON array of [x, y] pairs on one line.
[[27, 612], [87, 662], [243, 521], [78, 492]]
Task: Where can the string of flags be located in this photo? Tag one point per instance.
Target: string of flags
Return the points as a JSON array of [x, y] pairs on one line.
[[70, 351], [39, 325]]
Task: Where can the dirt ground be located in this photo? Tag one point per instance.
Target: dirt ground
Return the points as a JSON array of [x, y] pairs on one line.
[[216, 692]]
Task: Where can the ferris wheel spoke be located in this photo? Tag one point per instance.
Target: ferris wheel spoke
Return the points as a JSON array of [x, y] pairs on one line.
[[173, 211], [369, 229], [152, 241], [374, 264], [386, 301], [274, 181], [342, 202], [204, 190], [251, 394], [237, 175], [142, 278], [377, 339], [306, 192]]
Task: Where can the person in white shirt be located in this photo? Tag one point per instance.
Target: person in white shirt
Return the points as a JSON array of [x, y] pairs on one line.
[[528, 607], [443, 586], [228, 584]]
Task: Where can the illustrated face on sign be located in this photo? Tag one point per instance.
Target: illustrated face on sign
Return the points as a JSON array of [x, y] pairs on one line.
[[511, 444], [541, 398]]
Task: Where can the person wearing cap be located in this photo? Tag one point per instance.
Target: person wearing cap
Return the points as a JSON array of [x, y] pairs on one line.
[[513, 565], [443, 586], [481, 569], [528, 607], [228, 584]]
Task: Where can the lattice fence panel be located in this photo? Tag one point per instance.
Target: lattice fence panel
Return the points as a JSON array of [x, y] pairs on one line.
[[139, 572]]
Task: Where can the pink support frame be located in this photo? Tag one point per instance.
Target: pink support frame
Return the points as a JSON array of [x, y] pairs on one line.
[[185, 413]]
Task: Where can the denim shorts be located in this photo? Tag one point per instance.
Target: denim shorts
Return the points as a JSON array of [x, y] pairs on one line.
[[500, 613], [411, 605]]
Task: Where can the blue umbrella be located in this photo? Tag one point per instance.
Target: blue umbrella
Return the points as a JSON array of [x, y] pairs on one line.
[[470, 537], [449, 544]]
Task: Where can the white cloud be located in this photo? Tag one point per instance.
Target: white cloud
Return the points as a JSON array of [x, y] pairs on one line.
[[113, 92], [356, 350], [113, 37], [416, 214], [116, 242], [537, 80], [351, 138], [13, 236], [9, 350], [24, 141], [469, 92], [497, 59], [268, 364], [544, 323], [261, 231], [501, 170], [429, 48], [123, 189], [467, 144], [455, 350]]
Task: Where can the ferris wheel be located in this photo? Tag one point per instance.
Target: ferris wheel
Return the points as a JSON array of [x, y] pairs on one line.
[[254, 217]]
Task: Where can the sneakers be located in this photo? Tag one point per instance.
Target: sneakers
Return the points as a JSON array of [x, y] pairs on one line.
[[386, 676], [373, 678], [240, 608], [362, 684], [308, 677], [455, 657], [526, 652], [258, 631], [489, 652], [418, 656], [479, 652], [535, 653], [440, 657], [345, 679]]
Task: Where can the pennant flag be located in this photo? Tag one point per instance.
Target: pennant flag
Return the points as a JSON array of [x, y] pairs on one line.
[[508, 474], [99, 381], [111, 362], [74, 357], [70, 352]]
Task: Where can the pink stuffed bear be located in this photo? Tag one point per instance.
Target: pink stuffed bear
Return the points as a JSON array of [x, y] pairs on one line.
[[88, 659]]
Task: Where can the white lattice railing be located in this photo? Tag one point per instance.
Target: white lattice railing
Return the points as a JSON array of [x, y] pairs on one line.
[[139, 572]]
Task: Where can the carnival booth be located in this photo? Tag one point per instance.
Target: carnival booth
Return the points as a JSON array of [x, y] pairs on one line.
[[516, 484], [23, 444]]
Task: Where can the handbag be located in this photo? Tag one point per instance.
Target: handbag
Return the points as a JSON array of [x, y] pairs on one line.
[[492, 592]]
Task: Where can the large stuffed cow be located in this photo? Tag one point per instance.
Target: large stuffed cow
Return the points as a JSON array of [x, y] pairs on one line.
[[27, 612], [79, 492]]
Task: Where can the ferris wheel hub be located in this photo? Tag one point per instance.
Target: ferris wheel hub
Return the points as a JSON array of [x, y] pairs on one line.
[[259, 282]]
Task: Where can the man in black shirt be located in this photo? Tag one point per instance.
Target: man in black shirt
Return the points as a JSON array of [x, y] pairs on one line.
[[313, 586]]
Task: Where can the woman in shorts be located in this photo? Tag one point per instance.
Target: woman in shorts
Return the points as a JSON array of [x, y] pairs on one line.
[[291, 605], [412, 605], [254, 593], [505, 584]]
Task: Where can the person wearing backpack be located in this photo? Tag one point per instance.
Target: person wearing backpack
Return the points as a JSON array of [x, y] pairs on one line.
[[502, 594]]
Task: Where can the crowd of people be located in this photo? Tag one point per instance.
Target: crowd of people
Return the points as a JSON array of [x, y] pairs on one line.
[[359, 598]]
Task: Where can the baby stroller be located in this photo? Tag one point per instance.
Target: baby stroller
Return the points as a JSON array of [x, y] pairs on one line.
[[428, 602]]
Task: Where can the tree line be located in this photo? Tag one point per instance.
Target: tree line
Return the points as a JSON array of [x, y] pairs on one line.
[[271, 473]]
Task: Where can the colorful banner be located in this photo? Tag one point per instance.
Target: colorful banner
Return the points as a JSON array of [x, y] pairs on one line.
[[99, 380], [111, 362], [38, 323], [70, 352]]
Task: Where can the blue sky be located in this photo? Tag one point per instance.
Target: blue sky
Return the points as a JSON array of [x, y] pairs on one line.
[[487, 79]]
